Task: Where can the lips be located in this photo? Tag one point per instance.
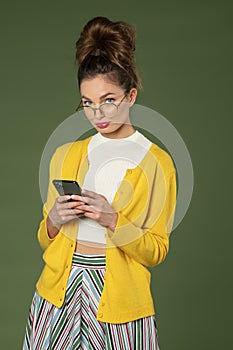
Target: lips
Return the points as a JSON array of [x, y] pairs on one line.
[[102, 125]]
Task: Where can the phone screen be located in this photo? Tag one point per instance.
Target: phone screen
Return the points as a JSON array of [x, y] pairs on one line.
[[67, 187]]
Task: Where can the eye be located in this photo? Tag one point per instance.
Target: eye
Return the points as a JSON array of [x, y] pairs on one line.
[[109, 100], [87, 103]]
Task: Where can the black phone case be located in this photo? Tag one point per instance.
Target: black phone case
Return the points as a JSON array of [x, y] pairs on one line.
[[67, 187]]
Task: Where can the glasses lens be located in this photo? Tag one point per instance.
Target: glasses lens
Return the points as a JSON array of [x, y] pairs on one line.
[[89, 112], [108, 109]]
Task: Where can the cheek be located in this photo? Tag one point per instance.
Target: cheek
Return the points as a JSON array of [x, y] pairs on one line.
[[89, 116], [123, 115]]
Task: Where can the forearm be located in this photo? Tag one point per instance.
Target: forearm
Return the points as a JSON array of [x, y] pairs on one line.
[[47, 231], [148, 244], [52, 229], [148, 247]]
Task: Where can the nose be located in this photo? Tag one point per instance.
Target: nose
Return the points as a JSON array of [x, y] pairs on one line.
[[98, 114]]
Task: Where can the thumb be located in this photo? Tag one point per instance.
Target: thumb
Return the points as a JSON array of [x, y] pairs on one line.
[[103, 197]]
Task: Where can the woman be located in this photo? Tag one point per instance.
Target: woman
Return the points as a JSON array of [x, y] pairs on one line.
[[94, 290]]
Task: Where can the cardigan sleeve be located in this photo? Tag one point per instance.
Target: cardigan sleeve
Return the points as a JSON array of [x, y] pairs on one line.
[[149, 245], [42, 234], [65, 163]]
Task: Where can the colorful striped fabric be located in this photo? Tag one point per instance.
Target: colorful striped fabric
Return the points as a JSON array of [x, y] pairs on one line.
[[74, 325]]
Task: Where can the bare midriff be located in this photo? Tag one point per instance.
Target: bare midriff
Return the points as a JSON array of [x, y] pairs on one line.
[[87, 247]]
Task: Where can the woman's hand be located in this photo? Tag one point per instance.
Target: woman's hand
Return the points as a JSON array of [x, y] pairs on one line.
[[97, 208], [64, 210]]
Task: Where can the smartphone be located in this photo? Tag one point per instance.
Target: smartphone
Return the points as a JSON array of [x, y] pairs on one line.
[[67, 187]]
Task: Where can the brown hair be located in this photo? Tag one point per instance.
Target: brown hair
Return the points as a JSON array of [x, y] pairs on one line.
[[107, 47]]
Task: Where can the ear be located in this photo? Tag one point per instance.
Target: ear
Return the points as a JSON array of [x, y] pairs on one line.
[[132, 95]]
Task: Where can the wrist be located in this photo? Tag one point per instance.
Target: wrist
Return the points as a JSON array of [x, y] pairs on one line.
[[113, 223], [52, 228]]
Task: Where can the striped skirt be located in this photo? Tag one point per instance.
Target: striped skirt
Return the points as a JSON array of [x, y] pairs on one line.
[[74, 325]]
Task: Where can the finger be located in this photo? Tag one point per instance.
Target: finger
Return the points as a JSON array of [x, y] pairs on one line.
[[87, 208], [89, 193], [90, 197], [76, 197], [80, 215], [74, 204], [64, 198], [77, 210], [73, 217], [101, 195], [68, 212], [88, 200], [67, 218], [91, 215], [69, 198], [69, 204]]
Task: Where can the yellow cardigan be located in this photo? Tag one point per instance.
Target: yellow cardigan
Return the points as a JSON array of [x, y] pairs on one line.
[[145, 202]]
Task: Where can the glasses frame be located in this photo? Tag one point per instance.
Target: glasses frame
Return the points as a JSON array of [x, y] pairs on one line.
[[96, 108]]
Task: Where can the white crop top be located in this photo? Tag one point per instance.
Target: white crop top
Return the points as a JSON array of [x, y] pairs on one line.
[[108, 161]]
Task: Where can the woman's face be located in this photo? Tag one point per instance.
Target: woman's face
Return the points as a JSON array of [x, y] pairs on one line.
[[99, 90]]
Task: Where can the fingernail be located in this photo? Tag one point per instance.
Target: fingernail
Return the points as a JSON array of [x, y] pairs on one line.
[[68, 197]]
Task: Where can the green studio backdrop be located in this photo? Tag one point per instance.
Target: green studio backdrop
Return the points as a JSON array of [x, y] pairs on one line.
[[184, 57]]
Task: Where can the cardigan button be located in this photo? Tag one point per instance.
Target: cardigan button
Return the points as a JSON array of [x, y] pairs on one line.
[[103, 304], [100, 315]]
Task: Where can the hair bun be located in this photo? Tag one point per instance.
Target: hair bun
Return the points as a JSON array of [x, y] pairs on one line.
[[106, 47], [114, 40]]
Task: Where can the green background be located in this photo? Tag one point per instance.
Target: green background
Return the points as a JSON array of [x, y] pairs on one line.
[[185, 60]]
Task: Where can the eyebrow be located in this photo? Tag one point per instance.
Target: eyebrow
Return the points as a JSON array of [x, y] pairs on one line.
[[101, 97]]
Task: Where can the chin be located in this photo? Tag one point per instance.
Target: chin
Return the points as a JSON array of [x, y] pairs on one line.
[[108, 130]]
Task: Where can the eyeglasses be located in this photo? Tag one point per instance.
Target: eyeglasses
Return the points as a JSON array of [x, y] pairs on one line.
[[107, 109]]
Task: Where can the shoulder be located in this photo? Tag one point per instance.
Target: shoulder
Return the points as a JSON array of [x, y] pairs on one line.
[[75, 148], [159, 155]]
